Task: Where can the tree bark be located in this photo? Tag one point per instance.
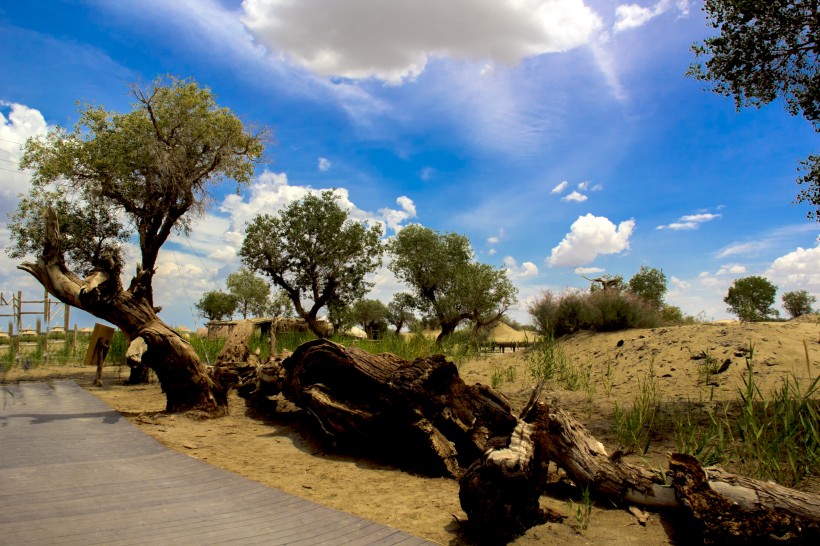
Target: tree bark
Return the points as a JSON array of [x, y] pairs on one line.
[[184, 379], [726, 509], [418, 413]]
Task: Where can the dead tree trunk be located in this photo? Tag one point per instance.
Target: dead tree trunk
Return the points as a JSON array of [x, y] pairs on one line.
[[727, 509], [184, 379], [419, 413]]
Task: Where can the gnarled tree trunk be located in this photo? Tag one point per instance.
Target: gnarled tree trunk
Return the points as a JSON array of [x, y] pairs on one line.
[[184, 379]]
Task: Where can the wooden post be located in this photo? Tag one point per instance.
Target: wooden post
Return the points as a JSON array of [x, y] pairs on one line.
[[66, 309], [98, 348], [74, 339], [19, 311], [47, 321]]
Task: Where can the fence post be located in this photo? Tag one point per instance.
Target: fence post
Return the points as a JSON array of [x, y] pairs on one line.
[[19, 311]]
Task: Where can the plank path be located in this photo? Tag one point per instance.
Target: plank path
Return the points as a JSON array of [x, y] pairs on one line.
[[74, 471]]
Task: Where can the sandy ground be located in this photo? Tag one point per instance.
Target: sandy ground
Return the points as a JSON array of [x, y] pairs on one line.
[[278, 449]]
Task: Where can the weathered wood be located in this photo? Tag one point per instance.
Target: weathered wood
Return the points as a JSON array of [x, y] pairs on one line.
[[731, 509], [184, 379], [134, 359], [418, 413], [727, 509], [97, 350]]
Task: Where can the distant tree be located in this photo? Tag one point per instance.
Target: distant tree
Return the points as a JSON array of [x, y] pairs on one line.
[[607, 282], [279, 305], [314, 251], [751, 299], [144, 173], [767, 49], [340, 316], [400, 310], [251, 293], [798, 302], [217, 305], [544, 311], [649, 284], [371, 315], [449, 286]]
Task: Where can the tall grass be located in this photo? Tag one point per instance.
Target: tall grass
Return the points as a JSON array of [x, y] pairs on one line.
[[770, 436], [635, 426], [547, 362]]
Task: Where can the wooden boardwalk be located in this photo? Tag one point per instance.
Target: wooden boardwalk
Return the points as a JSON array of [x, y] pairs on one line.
[[73, 471]]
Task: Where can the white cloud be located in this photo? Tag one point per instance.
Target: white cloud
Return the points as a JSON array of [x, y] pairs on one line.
[[560, 187], [734, 269], [394, 218], [575, 196], [17, 123], [492, 252], [703, 217], [628, 16], [690, 221], [527, 269], [743, 248], [393, 41], [590, 236], [588, 270], [679, 283], [324, 164], [427, 173], [798, 270], [492, 240]]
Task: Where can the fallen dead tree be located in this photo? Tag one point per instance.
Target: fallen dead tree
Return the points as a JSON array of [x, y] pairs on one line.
[[421, 413]]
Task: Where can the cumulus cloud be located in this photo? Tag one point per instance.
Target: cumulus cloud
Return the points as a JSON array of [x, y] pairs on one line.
[[272, 191], [690, 221], [679, 283], [324, 164], [393, 41], [560, 187], [628, 16], [799, 269], [734, 269], [492, 240], [589, 237], [575, 196], [527, 269], [17, 123]]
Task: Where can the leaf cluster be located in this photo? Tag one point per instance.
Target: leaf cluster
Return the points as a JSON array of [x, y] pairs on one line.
[[752, 298]]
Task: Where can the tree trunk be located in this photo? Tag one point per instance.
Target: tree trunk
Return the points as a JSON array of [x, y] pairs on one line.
[[418, 413], [726, 509], [184, 379]]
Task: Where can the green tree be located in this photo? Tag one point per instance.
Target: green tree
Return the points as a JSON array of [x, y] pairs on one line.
[[279, 305], [767, 49], [340, 316], [649, 284], [251, 293], [217, 305], [798, 302], [400, 311], [449, 286], [371, 315], [153, 167], [313, 251], [751, 298]]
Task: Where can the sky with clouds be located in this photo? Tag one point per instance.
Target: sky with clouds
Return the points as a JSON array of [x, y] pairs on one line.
[[560, 136]]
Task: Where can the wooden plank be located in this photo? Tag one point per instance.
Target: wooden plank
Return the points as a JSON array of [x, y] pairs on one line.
[[73, 471]]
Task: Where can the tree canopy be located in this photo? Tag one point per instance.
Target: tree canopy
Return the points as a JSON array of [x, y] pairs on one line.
[[217, 305], [767, 49], [448, 284], [147, 172], [371, 315], [152, 166], [649, 284], [751, 298], [314, 252], [798, 303], [251, 293], [400, 311]]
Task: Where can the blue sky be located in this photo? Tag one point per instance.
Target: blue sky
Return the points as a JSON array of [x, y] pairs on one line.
[[560, 136]]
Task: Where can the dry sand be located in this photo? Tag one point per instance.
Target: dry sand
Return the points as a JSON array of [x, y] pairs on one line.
[[278, 449]]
